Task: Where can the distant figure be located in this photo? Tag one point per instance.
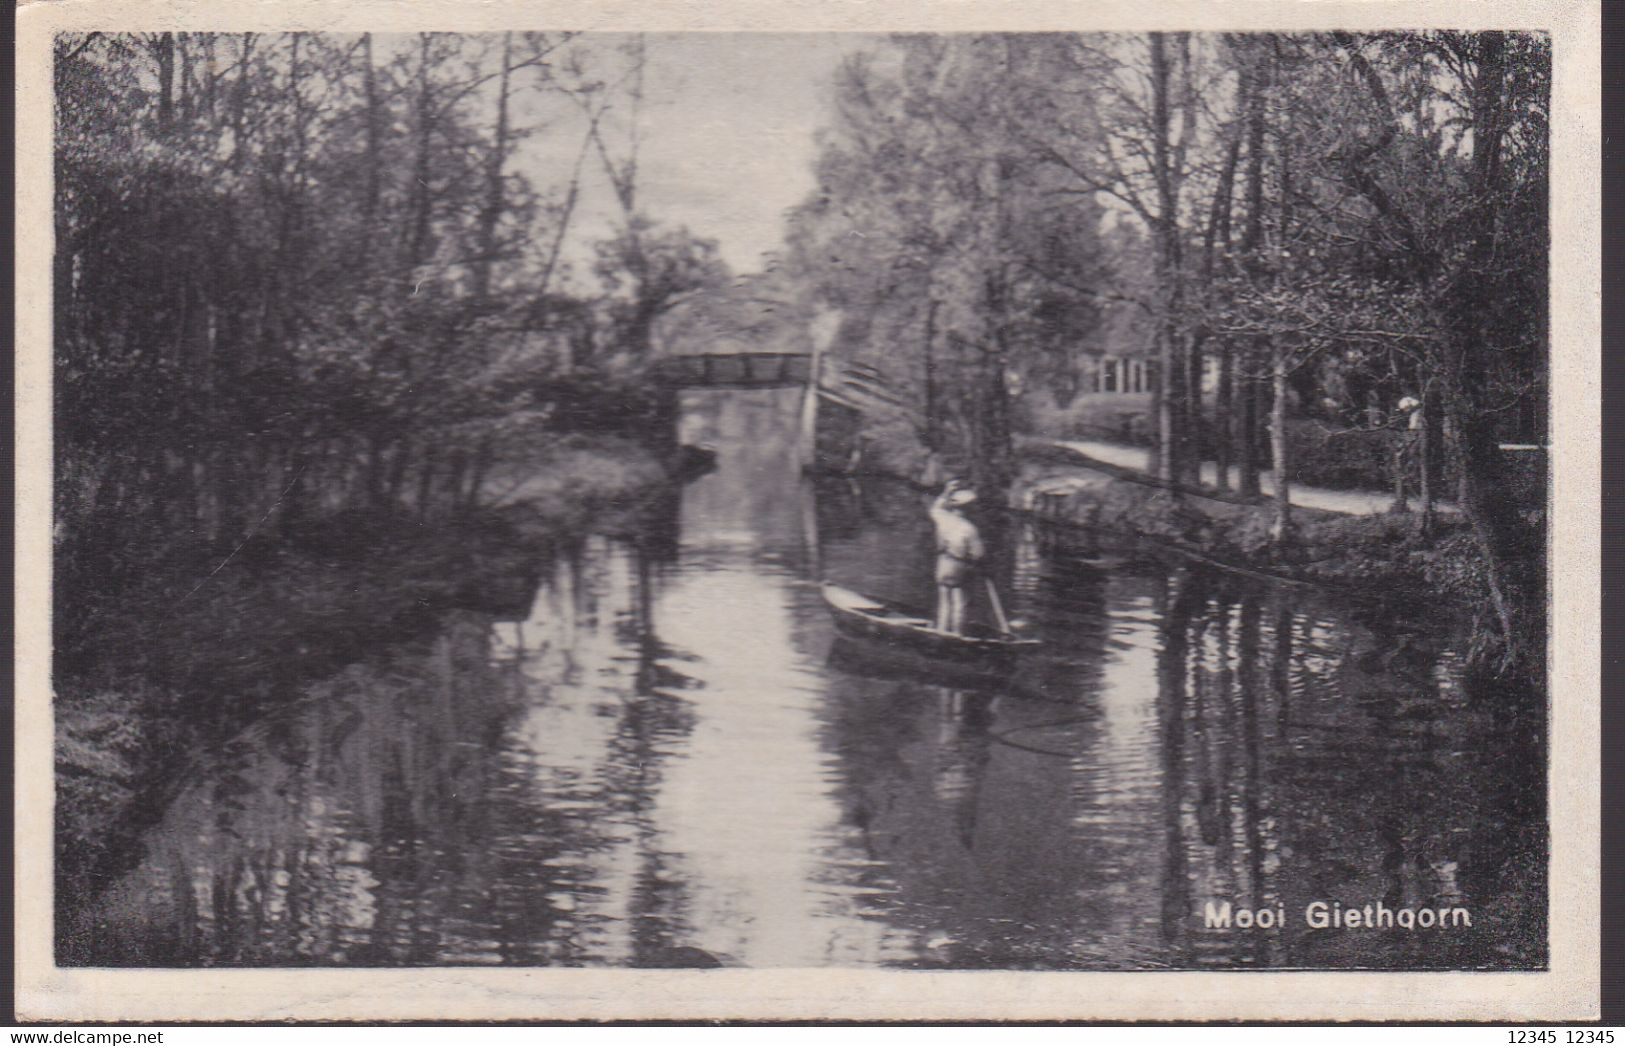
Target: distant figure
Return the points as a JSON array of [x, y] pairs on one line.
[[1410, 421], [959, 553]]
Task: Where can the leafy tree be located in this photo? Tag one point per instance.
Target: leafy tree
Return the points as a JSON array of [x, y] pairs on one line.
[[298, 273], [647, 271], [1339, 220], [957, 265]]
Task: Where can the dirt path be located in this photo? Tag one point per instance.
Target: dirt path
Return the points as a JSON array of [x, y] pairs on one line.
[[1348, 502]]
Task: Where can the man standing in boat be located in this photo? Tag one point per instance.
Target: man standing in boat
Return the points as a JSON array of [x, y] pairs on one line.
[[959, 553]]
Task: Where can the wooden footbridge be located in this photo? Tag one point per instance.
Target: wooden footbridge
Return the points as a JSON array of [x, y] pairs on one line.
[[743, 370], [830, 410]]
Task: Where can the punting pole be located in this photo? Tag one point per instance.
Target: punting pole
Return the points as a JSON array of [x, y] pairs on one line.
[[998, 607]]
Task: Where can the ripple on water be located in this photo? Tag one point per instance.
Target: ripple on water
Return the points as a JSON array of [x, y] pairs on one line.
[[659, 765]]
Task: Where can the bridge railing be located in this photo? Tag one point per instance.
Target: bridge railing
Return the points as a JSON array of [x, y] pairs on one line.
[[735, 370]]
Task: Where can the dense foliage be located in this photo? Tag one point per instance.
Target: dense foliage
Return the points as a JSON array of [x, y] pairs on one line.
[[299, 274], [1287, 227]]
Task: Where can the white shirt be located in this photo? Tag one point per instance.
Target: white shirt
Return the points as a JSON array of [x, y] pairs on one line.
[[956, 535]]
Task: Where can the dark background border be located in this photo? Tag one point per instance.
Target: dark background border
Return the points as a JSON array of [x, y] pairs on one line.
[[1613, 515]]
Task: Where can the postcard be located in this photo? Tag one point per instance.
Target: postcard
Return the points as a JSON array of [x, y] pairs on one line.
[[767, 511]]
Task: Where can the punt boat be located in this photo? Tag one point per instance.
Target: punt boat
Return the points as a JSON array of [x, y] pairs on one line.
[[903, 630]]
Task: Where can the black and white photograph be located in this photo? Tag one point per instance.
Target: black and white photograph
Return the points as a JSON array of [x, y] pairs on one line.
[[933, 501]]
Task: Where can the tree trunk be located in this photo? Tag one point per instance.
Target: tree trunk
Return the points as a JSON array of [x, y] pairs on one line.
[[426, 475], [1188, 466], [932, 436], [210, 77], [375, 471], [375, 163], [239, 101], [165, 49], [990, 437], [991, 453], [991, 458], [1217, 434], [1510, 548], [1281, 529], [1280, 367], [183, 100], [418, 249], [1245, 430], [491, 212], [1195, 423], [398, 467], [484, 457], [1224, 412], [1171, 404], [454, 478]]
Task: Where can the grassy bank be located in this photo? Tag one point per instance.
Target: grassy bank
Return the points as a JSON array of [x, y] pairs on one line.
[[198, 648], [1386, 560]]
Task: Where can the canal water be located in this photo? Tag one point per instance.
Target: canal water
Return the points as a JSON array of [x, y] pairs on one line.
[[670, 761]]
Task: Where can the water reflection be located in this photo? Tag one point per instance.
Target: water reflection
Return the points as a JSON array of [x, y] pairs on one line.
[[668, 761]]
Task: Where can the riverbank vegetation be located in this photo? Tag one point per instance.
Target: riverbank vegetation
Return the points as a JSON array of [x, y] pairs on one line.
[[294, 608], [333, 353], [1344, 231], [304, 276]]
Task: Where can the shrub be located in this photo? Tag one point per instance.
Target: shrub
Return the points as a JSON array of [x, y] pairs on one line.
[[1115, 417], [1343, 459]]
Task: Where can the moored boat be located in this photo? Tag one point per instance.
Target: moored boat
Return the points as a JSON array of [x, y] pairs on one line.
[[904, 629]]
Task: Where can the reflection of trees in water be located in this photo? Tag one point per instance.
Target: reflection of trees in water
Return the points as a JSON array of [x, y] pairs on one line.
[[1217, 818], [966, 799], [1183, 736], [611, 594], [635, 625], [838, 507], [389, 820], [656, 529], [334, 833], [651, 715], [1307, 760], [1173, 605], [962, 751], [914, 759], [1065, 601], [754, 494]]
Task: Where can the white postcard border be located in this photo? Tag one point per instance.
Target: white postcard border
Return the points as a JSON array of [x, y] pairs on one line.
[[1569, 990]]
